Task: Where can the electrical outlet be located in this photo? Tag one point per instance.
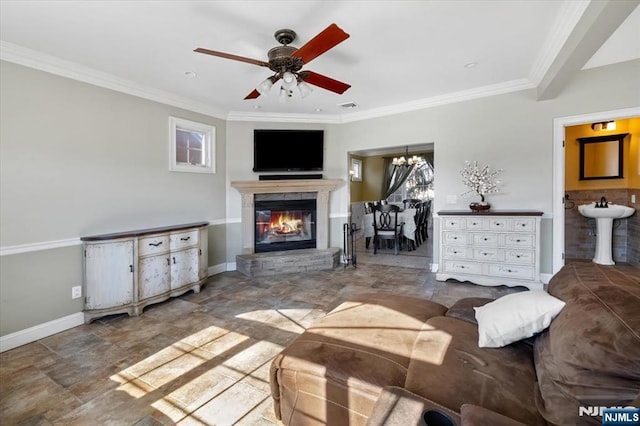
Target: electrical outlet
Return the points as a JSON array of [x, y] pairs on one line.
[[76, 292]]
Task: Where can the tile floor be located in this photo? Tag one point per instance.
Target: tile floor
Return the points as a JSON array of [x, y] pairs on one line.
[[199, 358]]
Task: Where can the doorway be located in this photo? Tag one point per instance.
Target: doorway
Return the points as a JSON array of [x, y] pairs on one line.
[[559, 166]]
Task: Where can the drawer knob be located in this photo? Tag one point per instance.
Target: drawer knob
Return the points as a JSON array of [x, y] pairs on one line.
[[486, 239], [185, 239], [155, 244]]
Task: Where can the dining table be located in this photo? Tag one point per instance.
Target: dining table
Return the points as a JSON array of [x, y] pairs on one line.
[[405, 217]]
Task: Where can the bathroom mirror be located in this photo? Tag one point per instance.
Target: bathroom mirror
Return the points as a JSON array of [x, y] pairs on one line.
[[601, 157]]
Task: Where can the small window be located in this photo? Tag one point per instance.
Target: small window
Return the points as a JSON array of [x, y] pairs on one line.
[[356, 170], [192, 146]]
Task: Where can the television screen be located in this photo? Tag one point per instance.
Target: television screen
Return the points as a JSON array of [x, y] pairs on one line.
[[288, 150]]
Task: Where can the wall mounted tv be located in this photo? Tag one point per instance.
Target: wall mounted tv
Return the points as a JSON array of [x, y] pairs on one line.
[[288, 150]]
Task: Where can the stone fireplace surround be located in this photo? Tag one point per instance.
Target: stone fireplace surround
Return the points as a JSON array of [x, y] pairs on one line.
[[270, 263]]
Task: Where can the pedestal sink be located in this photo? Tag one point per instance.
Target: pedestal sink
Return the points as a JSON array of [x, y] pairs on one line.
[[604, 225]]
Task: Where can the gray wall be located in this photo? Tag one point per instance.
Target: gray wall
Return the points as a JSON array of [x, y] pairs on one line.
[[78, 160]]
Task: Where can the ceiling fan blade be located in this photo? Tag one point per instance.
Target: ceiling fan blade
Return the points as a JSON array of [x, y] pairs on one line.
[[252, 95], [230, 56], [325, 40], [324, 82]]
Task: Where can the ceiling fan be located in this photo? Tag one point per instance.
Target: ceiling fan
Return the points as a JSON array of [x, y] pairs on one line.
[[287, 62]]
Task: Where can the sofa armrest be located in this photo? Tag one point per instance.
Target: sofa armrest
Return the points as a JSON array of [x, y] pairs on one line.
[[463, 308], [473, 415], [398, 406]]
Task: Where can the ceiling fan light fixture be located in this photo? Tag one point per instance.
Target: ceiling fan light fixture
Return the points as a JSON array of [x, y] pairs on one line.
[[265, 86], [288, 78], [304, 89]]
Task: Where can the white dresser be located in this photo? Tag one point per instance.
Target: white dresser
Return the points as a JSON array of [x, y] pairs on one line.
[[492, 248], [126, 271]]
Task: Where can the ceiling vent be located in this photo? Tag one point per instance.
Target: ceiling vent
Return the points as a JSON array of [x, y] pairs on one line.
[[348, 105]]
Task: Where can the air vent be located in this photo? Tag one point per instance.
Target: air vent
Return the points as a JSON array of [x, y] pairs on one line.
[[348, 105]]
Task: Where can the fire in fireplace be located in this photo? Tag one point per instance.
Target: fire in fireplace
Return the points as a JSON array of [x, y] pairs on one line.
[[285, 225]]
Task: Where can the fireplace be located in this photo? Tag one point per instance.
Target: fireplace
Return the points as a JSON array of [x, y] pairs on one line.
[[284, 223], [253, 192]]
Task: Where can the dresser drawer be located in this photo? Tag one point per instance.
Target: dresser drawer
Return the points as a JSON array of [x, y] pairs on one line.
[[153, 245], [486, 239], [476, 223], [455, 252], [461, 267], [498, 224], [524, 225], [486, 253], [184, 239], [519, 256], [520, 272], [455, 238], [453, 223], [519, 240]]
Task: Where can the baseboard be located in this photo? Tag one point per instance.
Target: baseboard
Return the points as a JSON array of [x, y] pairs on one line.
[[40, 331], [217, 269]]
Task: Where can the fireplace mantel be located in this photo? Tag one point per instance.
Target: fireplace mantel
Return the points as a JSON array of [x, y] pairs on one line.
[[292, 185], [320, 186]]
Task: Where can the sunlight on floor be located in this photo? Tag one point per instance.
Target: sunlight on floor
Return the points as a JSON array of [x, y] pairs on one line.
[[205, 374]]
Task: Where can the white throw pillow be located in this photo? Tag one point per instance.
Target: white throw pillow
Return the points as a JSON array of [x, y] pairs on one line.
[[515, 317]]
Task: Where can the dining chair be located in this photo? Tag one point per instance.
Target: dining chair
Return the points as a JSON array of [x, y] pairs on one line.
[[369, 207], [386, 226], [411, 203], [424, 222]]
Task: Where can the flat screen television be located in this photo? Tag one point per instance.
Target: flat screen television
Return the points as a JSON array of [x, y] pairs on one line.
[[288, 150]]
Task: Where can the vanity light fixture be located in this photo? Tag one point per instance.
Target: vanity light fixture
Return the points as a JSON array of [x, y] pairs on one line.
[[604, 125]]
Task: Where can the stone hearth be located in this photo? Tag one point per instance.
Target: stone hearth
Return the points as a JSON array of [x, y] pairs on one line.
[[279, 262]]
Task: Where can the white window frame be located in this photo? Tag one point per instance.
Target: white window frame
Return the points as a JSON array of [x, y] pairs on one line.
[[356, 170], [209, 146]]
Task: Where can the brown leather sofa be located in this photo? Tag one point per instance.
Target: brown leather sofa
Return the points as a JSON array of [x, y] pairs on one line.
[[378, 353]]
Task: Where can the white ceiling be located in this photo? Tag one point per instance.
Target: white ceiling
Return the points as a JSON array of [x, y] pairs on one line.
[[401, 54]]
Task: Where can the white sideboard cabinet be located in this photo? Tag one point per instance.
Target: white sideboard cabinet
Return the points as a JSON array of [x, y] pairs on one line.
[[490, 248], [126, 271]]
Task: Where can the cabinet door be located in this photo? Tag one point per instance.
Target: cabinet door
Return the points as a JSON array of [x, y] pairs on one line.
[[154, 276], [108, 274], [184, 267]]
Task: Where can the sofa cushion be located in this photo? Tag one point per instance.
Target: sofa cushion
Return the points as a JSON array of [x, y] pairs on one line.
[[336, 369], [449, 368], [515, 317], [590, 355]]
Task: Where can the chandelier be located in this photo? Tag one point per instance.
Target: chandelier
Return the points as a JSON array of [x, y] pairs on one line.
[[406, 161]]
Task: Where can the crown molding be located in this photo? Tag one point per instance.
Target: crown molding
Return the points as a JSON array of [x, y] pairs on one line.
[[568, 17], [449, 98], [33, 59], [283, 117]]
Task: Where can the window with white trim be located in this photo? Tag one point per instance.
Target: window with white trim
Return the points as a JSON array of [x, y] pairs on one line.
[[192, 146]]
